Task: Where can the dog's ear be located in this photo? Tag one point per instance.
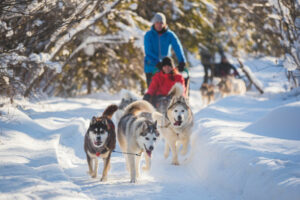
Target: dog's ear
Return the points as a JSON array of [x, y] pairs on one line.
[[105, 122], [144, 127], [173, 100], [93, 121], [155, 124]]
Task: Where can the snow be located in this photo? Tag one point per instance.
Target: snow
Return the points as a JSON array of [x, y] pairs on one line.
[[133, 6], [242, 147], [38, 22], [278, 121]]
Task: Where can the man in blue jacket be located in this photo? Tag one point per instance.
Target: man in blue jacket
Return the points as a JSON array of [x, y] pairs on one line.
[[157, 43]]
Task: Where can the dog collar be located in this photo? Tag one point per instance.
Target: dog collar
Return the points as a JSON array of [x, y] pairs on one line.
[[104, 150]]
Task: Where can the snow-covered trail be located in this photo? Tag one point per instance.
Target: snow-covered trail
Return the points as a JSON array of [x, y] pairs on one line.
[[46, 159], [164, 181]]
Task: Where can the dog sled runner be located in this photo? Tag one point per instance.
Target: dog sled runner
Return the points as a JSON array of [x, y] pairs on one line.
[[186, 76]]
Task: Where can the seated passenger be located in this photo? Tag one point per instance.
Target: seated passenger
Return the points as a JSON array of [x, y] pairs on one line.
[[163, 81]]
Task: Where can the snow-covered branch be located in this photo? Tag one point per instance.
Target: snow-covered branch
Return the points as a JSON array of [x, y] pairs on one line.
[[73, 32]]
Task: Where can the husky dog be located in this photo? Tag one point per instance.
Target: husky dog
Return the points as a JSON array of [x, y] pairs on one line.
[[137, 134], [176, 125], [230, 85], [100, 141], [127, 98], [207, 93]]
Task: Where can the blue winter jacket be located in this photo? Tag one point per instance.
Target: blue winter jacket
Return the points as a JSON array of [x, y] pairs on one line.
[[157, 46]]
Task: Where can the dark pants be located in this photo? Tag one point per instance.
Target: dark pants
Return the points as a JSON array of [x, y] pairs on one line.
[[187, 85], [208, 67], [148, 78]]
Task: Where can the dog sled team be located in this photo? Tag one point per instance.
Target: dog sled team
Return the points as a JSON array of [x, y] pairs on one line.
[[220, 78], [163, 113], [139, 127]]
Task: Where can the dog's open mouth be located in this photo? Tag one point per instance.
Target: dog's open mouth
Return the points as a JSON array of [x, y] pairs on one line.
[[149, 152], [97, 143], [177, 123]]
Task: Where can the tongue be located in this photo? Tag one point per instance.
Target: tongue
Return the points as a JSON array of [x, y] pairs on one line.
[[177, 123], [149, 153]]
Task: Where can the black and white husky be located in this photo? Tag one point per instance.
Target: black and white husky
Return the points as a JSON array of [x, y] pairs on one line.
[[176, 124], [137, 135], [100, 141]]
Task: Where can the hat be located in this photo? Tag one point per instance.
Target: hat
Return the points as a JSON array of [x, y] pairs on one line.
[[167, 61], [159, 17]]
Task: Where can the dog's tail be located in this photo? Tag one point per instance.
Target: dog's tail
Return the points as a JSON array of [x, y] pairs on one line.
[[139, 106], [176, 90], [109, 111]]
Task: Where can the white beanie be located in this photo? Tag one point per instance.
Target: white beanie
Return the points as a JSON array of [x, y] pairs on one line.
[[159, 17]]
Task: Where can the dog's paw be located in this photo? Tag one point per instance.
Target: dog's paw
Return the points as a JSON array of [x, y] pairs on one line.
[[103, 179], [133, 180], [145, 168], [93, 175], [166, 155], [175, 162]]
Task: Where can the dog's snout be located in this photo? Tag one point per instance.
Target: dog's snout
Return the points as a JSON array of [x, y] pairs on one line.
[[179, 117], [151, 148]]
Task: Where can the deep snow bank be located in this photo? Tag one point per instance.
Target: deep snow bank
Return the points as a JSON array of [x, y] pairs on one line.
[[256, 162], [282, 122]]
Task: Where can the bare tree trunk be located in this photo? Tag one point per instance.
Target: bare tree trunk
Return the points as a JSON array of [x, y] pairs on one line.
[[250, 78]]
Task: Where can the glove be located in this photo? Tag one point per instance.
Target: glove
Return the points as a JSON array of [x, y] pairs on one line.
[[236, 74], [181, 66], [159, 65], [147, 97]]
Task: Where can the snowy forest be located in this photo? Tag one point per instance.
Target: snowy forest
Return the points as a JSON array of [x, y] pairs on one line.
[[71, 47]]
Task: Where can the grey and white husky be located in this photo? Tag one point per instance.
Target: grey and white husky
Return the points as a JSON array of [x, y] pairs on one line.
[[176, 124], [100, 141], [137, 135]]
